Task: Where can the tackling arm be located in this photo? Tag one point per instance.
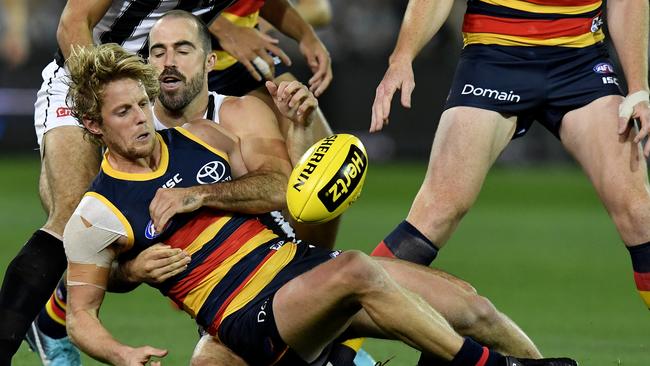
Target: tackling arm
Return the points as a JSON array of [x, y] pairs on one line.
[[77, 21], [258, 158]]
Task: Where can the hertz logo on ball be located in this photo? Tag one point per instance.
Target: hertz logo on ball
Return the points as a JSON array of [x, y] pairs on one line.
[[343, 184], [327, 179]]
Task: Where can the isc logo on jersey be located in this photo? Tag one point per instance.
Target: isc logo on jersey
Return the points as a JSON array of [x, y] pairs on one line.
[[327, 179]]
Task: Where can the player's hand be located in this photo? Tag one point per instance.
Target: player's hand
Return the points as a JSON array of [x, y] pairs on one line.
[[318, 59], [398, 76], [641, 112], [247, 44], [170, 201], [141, 355], [294, 100], [156, 264]]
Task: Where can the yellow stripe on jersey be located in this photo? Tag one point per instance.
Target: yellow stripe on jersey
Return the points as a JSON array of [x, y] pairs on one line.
[[197, 296], [130, 238], [225, 59], [196, 139], [262, 278], [160, 170], [208, 234], [544, 9], [584, 40]]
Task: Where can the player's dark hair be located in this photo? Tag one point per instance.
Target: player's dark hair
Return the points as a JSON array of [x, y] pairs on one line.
[[202, 29]]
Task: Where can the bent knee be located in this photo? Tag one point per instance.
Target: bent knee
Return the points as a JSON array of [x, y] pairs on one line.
[[478, 315], [357, 271]]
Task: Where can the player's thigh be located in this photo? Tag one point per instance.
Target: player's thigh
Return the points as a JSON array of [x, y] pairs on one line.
[[614, 163], [467, 142], [314, 308], [209, 351], [70, 162]]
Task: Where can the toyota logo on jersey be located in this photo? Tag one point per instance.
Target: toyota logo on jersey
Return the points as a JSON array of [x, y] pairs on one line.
[[211, 172]]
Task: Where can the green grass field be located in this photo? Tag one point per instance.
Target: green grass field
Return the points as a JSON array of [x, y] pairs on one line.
[[538, 244]]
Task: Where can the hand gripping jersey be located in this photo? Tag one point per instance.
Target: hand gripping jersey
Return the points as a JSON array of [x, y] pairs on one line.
[[234, 256], [568, 23]]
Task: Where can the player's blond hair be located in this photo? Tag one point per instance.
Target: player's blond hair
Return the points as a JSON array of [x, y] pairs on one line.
[[91, 68]]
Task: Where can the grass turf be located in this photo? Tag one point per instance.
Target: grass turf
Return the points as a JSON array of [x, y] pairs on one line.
[[538, 244]]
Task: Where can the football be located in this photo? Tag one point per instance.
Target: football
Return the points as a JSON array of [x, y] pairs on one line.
[[327, 179]]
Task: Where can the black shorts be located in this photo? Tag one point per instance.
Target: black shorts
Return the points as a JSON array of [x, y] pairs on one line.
[[237, 81], [533, 83], [251, 331]]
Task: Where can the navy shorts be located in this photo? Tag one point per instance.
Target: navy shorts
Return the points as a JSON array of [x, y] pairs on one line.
[[251, 331], [533, 83], [237, 81]]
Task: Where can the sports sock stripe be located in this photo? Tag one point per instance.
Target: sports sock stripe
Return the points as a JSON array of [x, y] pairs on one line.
[[382, 250]]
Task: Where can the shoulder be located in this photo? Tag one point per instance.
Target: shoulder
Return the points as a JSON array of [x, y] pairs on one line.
[[238, 108], [212, 134]]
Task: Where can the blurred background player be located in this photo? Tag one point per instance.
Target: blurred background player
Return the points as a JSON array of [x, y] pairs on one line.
[[14, 41], [515, 70]]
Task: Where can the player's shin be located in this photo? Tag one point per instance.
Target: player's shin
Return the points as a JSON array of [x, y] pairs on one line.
[[29, 280], [408, 243], [640, 255]]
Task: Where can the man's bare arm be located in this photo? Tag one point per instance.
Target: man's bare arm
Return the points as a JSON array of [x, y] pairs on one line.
[[77, 21]]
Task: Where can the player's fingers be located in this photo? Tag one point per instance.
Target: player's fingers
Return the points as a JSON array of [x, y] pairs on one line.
[[323, 84], [407, 89], [271, 87], [151, 351], [298, 97], [173, 272], [376, 110], [267, 37], [251, 69], [623, 125], [164, 218]]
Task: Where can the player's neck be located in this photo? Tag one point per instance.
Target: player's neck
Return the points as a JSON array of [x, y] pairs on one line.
[[137, 165], [194, 110]]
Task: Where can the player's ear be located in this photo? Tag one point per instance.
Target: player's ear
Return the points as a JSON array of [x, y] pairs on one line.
[[92, 126], [211, 60]]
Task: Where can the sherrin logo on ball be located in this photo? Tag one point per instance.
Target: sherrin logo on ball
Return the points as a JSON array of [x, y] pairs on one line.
[[327, 179]]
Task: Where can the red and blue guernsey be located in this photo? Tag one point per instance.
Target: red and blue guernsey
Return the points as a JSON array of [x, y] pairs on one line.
[[234, 256], [565, 23]]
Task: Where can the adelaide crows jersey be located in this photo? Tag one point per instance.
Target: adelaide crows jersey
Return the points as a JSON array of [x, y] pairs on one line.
[[566, 23], [233, 256]]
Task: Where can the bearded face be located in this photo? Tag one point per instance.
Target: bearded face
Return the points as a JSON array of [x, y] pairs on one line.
[[176, 90]]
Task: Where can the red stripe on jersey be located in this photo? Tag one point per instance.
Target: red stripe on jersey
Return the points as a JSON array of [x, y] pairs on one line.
[[539, 28], [245, 7], [193, 228], [382, 251], [563, 2], [642, 280], [229, 246], [484, 357], [216, 321]]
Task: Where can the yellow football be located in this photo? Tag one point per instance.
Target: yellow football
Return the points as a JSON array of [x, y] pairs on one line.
[[327, 179]]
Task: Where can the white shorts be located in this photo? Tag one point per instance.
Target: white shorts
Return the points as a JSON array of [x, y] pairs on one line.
[[50, 110]]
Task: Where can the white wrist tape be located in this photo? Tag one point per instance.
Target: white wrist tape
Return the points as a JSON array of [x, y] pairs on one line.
[[626, 108], [263, 67]]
